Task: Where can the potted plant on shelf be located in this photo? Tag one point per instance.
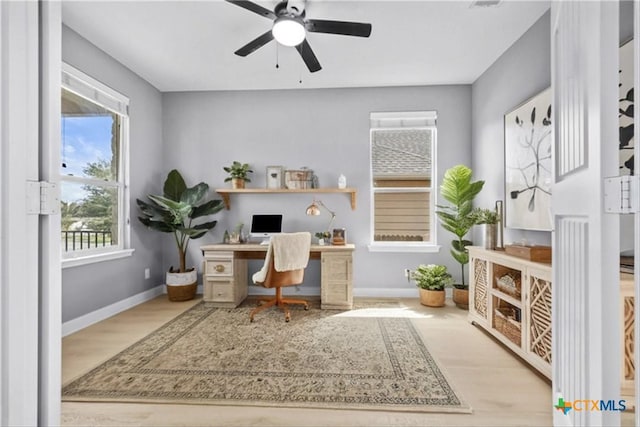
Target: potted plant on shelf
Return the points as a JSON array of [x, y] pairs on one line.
[[432, 279], [458, 218], [323, 237], [174, 212], [238, 174], [489, 218]]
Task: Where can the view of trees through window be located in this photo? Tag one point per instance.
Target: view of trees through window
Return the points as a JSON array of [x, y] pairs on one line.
[[89, 174]]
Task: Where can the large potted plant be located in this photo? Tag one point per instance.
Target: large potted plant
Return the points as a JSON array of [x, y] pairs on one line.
[[431, 279], [174, 212], [458, 218], [238, 174]]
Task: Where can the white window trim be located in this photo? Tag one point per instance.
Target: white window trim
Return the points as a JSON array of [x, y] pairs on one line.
[[377, 123], [91, 89], [86, 259], [418, 247]]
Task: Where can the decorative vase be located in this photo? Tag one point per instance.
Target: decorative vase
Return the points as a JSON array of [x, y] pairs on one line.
[[182, 286], [489, 236], [461, 297], [342, 181], [432, 298], [237, 183]]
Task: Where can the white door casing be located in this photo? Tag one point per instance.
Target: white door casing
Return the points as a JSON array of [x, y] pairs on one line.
[[50, 264], [636, 138], [586, 332]]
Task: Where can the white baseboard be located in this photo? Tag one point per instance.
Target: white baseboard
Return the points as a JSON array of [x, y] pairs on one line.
[[88, 319]]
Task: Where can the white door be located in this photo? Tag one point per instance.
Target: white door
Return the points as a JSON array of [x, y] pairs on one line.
[[586, 330], [19, 297]]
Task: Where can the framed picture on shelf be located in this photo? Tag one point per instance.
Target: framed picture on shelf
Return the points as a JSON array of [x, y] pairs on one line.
[[339, 236], [527, 156], [275, 176]]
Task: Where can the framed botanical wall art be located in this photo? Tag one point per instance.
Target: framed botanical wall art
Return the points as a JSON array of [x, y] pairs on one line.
[[625, 109], [275, 177], [527, 154]]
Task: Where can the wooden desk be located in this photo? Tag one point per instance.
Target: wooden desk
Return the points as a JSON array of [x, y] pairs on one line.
[[226, 280]]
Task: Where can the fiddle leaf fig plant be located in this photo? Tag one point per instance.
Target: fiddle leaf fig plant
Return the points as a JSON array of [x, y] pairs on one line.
[[458, 217], [175, 211]]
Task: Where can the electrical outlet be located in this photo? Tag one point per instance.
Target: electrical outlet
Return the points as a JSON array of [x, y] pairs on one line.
[[147, 273], [407, 273]]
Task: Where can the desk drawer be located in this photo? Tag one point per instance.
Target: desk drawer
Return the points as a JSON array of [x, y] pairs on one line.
[[219, 267], [219, 291]]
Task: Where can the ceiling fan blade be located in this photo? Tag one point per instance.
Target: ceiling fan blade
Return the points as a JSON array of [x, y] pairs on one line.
[[358, 29], [255, 44], [308, 56], [255, 8]]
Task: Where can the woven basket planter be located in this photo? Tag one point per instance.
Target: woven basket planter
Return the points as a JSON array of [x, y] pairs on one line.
[[182, 286], [432, 298]]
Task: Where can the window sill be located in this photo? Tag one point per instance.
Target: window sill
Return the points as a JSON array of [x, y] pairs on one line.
[[93, 258], [404, 247]]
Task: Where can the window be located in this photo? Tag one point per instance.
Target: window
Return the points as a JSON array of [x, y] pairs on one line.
[[402, 147], [93, 175]]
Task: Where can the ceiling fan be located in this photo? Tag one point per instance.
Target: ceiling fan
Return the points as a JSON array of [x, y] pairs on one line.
[[290, 27]]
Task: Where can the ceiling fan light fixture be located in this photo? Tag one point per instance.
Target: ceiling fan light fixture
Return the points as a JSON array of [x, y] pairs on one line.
[[289, 31]]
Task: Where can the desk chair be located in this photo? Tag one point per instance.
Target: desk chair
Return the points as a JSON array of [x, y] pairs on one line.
[[287, 257]]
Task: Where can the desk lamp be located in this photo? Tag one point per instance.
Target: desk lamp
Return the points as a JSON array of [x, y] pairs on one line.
[[314, 209]]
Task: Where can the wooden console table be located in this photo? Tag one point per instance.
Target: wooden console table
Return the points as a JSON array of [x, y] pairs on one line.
[[226, 280], [518, 317]]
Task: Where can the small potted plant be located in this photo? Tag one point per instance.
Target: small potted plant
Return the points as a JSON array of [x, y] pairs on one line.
[[323, 237], [432, 279], [174, 212], [238, 174], [489, 218]]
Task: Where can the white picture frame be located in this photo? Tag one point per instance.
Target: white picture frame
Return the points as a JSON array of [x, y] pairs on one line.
[[275, 177], [528, 164]]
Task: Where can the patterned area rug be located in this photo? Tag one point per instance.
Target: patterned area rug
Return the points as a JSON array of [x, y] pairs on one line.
[[356, 359]]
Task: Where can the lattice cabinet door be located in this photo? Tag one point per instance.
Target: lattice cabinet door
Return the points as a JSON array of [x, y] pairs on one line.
[[538, 313], [478, 294], [627, 313]]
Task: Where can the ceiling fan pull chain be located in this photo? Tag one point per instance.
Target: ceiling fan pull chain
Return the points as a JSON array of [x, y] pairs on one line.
[[277, 56]]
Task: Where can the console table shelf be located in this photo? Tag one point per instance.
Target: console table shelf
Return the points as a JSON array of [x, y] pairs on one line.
[[225, 193]]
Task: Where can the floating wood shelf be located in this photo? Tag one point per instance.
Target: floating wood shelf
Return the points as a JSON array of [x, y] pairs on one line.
[[225, 193]]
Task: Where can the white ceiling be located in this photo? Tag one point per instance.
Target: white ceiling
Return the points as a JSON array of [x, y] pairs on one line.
[[189, 45]]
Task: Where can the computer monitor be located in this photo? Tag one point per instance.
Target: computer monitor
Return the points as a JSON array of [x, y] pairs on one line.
[[264, 226]]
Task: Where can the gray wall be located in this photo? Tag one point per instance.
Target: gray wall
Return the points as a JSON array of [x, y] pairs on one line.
[[88, 288], [326, 130], [520, 73]]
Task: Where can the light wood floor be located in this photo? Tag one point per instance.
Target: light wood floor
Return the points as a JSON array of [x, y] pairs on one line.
[[500, 388]]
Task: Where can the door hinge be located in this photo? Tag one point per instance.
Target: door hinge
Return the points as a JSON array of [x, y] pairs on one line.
[[622, 194], [42, 198]]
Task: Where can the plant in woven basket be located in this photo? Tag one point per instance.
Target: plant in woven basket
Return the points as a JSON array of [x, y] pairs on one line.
[[458, 217], [433, 277], [238, 173], [175, 211]]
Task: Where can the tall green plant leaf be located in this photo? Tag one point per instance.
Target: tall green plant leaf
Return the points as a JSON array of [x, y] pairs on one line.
[[174, 186], [191, 196]]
